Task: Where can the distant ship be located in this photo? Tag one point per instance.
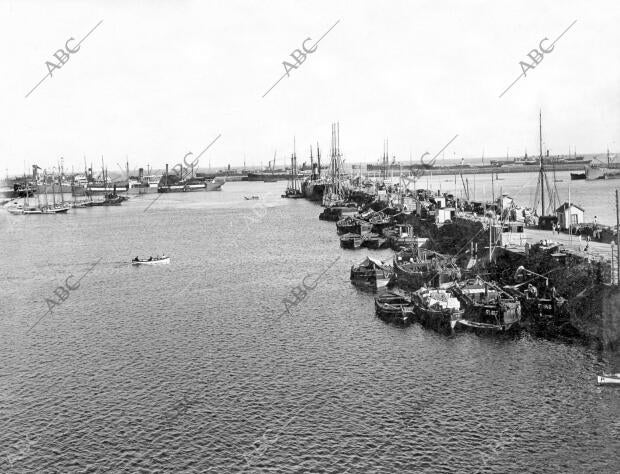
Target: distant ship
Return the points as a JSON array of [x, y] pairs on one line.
[[611, 171], [172, 184], [313, 186]]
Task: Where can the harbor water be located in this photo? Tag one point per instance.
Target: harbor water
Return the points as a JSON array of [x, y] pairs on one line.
[[252, 352]]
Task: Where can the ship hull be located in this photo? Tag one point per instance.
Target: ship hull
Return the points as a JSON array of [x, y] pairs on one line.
[[186, 188]]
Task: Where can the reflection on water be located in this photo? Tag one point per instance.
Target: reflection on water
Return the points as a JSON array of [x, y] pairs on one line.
[[186, 367]]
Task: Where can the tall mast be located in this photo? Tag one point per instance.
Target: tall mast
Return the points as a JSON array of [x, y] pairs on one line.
[[542, 170], [318, 158]]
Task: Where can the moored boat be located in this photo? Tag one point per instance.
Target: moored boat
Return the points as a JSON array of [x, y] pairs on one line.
[[395, 308], [372, 273], [351, 241], [487, 306], [437, 309], [374, 241], [611, 379], [415, 268]]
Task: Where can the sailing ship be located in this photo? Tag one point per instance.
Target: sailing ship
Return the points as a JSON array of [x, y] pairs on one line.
[[293, 190], [545, 192], [334, 189], [47, 207]]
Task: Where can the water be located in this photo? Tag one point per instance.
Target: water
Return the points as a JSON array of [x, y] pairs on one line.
[[194, 367]]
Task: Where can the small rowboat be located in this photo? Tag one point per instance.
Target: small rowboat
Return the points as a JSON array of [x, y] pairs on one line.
[[163, 260], [609, 379]]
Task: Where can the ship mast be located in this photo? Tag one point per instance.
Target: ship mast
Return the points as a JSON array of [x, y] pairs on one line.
[[542, 169]]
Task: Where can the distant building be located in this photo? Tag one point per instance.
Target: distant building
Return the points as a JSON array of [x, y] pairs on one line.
[[568, 214]]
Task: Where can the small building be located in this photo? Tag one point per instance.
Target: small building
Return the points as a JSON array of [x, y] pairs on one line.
[[569, 214], [444, 214]]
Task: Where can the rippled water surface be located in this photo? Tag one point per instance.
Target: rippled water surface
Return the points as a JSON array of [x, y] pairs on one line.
[[196, 366]]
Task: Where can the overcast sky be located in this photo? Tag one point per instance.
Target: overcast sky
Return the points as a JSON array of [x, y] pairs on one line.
[[156, 80]]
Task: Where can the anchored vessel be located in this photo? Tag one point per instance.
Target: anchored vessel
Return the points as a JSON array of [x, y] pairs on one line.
[[394, 308], [437, 309], [487, 306], [415, 268], [372, 273]]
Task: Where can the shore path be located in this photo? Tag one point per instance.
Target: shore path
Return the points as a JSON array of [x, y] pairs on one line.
[[597, 250]]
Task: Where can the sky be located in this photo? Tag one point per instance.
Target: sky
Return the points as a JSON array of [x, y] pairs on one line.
[[156, 80]]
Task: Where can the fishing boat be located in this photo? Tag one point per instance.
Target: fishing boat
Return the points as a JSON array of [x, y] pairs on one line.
[[163, 260], [487, 306], [351, 241], [402, 236], [394, 308], [374, 241], [437, 309], [351, 224], [372, 273], [379, 221], [293, 190], [415, 268], [251, 198], [608, 379]]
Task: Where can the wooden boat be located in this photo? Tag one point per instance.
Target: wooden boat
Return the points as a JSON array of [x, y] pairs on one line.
[[372, 273], [163, 260], [487, 306], [415, 268], [379, 221], [351, 241], [394, 308], [292, 193], [374, 241], [437, 309], [347, 225], [608, 379], [251, 198], [402, 236]]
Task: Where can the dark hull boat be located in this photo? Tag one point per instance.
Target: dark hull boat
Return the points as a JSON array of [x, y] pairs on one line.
[[353, 225], [292, 193], [372, 273], [379, 222], [577, 176], [335, 213], [487, 306], [351, 241], [415, 268], [313, 189], [394, 308], [401, 237], [347, 225], [437, 309], [374, 241]]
